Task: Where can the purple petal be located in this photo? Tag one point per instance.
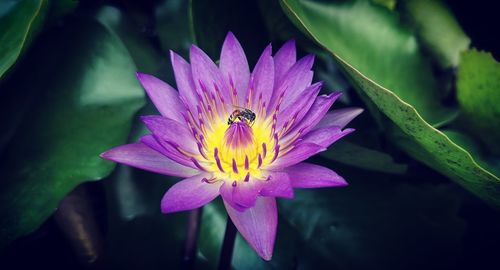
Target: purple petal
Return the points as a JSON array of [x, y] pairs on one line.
[[299, 108], [299, 153], [257, 225], [184, 80], [189, 194], [306, 175], [165, 98], [171, 131], [284, 60], [339, 118], [263, 78], [245, 193], [277, 185], [326, 136], [315, 114], [167, 150], [293, 84], [141, 156], [207, 74], [227, 193], [234, 65]]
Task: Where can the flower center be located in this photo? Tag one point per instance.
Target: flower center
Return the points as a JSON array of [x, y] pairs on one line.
[[239, 148]]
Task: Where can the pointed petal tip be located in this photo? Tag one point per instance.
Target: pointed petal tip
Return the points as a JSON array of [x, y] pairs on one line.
[[230, 35], [348, 130], [310, 59], [103, 155], [174, 57], [266, 255], [336, 94], [358, 111], [290, 42], [146, 119], [318, 84], [139, 75], [268, 51], [109, 154]]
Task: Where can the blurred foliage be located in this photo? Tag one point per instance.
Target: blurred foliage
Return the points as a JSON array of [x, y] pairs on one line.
[[478, 94], [73, 94], [79, 105], [19, 20], [437, 29]]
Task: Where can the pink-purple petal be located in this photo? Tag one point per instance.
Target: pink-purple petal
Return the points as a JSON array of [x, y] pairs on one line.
[[293, 84], [245, 193], [306, 175], [207, 75], [299, 108], [257, 225], [234, 65], [184, 81], [189, 194], [284, 59], [143, 157], [326, 136], [167, 150], [165, 98], [277, 185], [299, 153], [227, 194], [262, 78], [316, 112], [339, 118], [171, 131]]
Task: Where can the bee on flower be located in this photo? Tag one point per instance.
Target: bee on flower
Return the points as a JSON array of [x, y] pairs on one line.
[[239, 134]]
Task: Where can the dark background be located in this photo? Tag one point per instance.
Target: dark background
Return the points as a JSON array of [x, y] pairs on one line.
[[50, 248]]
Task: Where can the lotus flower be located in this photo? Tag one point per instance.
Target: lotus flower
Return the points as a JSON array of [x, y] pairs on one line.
[[238, 134]]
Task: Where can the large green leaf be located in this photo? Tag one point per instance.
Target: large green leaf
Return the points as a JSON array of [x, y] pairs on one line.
[[327, 24], [437, 28], [478, 92], [371, 39], [18, 20], [83, 97]]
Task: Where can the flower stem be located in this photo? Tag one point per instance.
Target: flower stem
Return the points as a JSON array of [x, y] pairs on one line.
[[226, 253], [190, 246]]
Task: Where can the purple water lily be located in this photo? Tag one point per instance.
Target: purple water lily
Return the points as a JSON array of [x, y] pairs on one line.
[[239, 134]]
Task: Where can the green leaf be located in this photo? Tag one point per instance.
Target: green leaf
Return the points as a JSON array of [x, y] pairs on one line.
[[489, 162], [362, 157], [370, 38], [18, 21], [327, 25], [478, 92], [82, 103], [437, 29], [389, 4]]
